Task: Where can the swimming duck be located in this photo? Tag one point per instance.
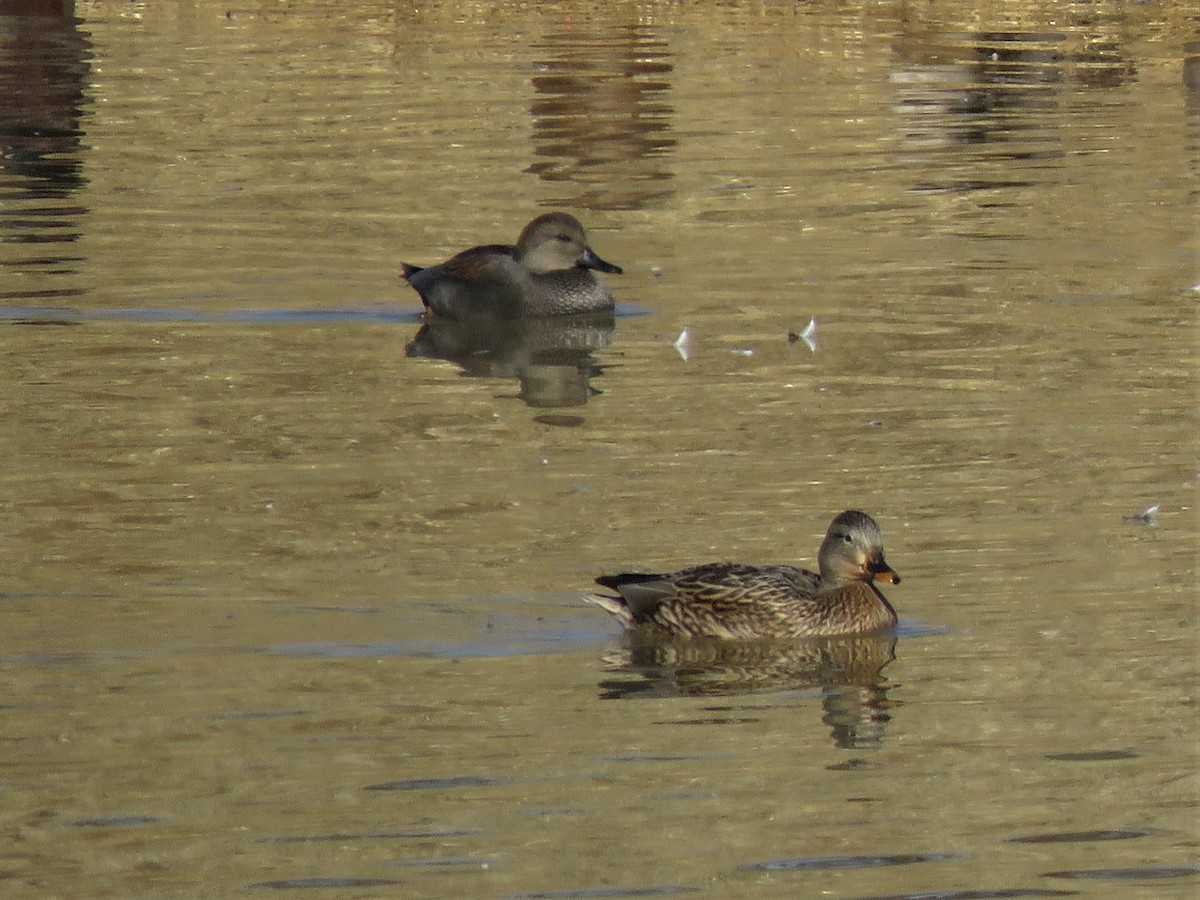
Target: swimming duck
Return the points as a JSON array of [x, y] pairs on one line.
[[547, 273], [732, 600]]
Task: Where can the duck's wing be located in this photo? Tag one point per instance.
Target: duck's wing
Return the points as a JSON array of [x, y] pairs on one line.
[[483, 250], [736, 584], [465, 266], [731, 600], [725, 582], [805, 582]]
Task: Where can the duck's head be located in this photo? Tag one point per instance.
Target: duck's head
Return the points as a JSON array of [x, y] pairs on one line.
[[853, 551], [557, 241]]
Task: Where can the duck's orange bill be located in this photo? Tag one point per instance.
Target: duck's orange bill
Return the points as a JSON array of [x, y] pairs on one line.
[[881, 571]]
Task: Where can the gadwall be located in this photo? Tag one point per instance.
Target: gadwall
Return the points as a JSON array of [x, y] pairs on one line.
[[547, 273], [731, 600]]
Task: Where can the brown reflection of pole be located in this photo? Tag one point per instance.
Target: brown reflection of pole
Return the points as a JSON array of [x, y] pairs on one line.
[[44, 68], [601, 123], [50, 8]]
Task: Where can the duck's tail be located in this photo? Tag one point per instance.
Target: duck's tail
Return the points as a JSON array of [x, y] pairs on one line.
[[614, 605]]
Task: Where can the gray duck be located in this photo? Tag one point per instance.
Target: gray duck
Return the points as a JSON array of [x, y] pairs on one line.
[[548, 272]]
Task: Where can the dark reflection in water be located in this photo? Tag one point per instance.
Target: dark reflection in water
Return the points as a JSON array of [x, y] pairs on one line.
[[813, 863], [456, 862], [117, 822], [999, 91], [606, 893], [43, 69], [304, 884], [1190, 76], [1092, 756], [550, 358], [600, 120], [342, 837], [978, 894], [1081, 837], [436, 784], [1154, 873], [848, 671]]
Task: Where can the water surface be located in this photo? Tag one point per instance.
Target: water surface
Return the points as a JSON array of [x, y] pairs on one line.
[[292, 595]]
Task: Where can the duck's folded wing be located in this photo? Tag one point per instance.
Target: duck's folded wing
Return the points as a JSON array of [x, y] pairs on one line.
[[477, 262], [733, 584], [804, 581], [712, 590]]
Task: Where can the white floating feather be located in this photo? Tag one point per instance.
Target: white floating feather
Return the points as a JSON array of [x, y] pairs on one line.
[[809, 335], [683, 345]]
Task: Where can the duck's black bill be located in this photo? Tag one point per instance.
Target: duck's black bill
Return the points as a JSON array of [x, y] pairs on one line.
[[590, 260]]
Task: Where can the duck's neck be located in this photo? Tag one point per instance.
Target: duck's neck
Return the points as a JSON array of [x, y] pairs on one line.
[[857, 602]]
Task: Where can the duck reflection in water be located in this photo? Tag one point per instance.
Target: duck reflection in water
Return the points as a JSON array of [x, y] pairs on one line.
[[847, 670], [550, 357]]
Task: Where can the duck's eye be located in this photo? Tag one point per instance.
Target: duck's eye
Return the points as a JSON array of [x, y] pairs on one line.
[[847, 539], [565, 238]]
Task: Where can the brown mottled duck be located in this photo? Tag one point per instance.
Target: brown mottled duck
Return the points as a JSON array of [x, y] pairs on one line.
[[732, 600]]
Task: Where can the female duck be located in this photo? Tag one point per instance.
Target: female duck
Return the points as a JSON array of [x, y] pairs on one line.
[[547, 273], [730, 600]]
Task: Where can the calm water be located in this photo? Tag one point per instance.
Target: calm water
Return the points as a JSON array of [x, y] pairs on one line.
[[291, 596]]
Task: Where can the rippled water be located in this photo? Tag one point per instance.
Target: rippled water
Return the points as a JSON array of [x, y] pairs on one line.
[[292, 594]]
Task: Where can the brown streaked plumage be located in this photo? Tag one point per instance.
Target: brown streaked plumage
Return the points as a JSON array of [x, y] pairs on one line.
[[732, 600], [546, 273]]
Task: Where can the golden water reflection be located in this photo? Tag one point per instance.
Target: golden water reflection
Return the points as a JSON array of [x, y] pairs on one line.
[[291, 596]]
